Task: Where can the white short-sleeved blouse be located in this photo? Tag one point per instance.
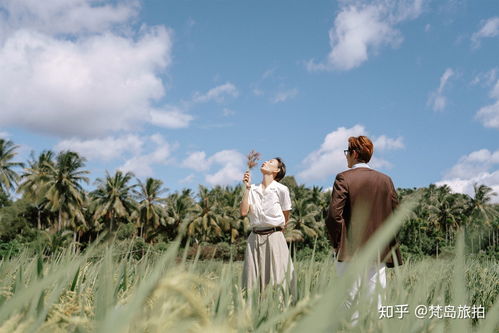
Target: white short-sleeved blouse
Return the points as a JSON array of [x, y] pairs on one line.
[[267, 206]]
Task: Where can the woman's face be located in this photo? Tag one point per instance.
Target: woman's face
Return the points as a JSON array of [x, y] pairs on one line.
[[270, 167]]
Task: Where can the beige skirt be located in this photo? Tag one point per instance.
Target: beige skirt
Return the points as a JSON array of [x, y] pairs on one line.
[[267, 262]]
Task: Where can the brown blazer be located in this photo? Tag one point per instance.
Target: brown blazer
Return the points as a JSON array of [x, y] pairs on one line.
[[361, 201]]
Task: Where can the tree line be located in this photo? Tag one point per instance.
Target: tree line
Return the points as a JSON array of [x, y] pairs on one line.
[[46, 197]]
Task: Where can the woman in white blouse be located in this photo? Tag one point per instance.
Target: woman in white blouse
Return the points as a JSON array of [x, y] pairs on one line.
[[267, 259]]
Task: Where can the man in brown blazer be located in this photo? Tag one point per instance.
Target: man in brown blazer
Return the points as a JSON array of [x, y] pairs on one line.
[[361, 201]]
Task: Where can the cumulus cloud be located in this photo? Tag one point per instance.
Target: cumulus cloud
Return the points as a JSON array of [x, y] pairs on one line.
[[197, 161], [105, 149], [67, 72], [142, 165], [489, 115], [216, 94], [171, 117], [138, 154], [232, 166], [283, 96], [362, 28], [385, 143], [329, 159], [437, 100], [66, 16], [230, 163], [480, 167], [490, 28]]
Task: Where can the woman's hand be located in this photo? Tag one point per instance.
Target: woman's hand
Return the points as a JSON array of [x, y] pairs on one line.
[[244, 207], [247, 179]]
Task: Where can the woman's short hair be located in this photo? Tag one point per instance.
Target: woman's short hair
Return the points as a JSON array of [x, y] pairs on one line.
[[363, 146], [282, 169]]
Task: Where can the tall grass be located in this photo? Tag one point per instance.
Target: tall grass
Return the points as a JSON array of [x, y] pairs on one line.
[[105, 290]]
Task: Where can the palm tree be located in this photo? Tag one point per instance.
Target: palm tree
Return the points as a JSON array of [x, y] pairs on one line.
[[8, 177], [479, 206], [112, 198], [206, 221], [34, 180], [481, 211], [444, 209], [178, 210], [151, 210], [35, 176], [302, 224], [228, 209], [63, 188]]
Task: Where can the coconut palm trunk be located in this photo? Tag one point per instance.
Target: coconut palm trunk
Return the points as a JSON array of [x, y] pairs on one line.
[[38, 218], [59, 225]]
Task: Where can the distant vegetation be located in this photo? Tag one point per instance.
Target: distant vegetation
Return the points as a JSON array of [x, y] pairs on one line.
[[52, 209], [131, 257]]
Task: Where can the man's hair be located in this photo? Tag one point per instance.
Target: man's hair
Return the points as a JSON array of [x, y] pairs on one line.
[[282, 169], [363, 146]]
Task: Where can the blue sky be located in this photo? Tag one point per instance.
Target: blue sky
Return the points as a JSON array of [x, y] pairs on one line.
[[183, 90]]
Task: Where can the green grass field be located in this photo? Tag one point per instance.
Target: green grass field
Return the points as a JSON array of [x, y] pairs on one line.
[[107, 289]]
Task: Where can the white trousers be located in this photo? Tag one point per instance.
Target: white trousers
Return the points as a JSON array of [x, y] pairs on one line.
[[370, 278]]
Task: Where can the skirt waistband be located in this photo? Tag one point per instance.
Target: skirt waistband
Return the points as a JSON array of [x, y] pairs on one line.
[[266, 231]]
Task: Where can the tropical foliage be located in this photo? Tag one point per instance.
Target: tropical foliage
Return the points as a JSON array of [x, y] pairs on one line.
[[54, 197]]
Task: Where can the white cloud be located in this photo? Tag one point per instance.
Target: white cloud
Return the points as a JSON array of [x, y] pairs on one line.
[[385, 143], [95, 82], [490, 28], [66, 16], [142, 165], [481, 167], [486, 78], [129, 148], [216, 94], [231, 164], [177, 117], [197, 161], [494, 93], [106, 149], [362, 28], [474, 163], [437, 100], [171, 117], [378, 163], [189, 179], [283, 96], [489, 115], [329, 159], [4, 135]]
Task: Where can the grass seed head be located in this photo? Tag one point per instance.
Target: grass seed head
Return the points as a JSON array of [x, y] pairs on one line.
[[253, 157]]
